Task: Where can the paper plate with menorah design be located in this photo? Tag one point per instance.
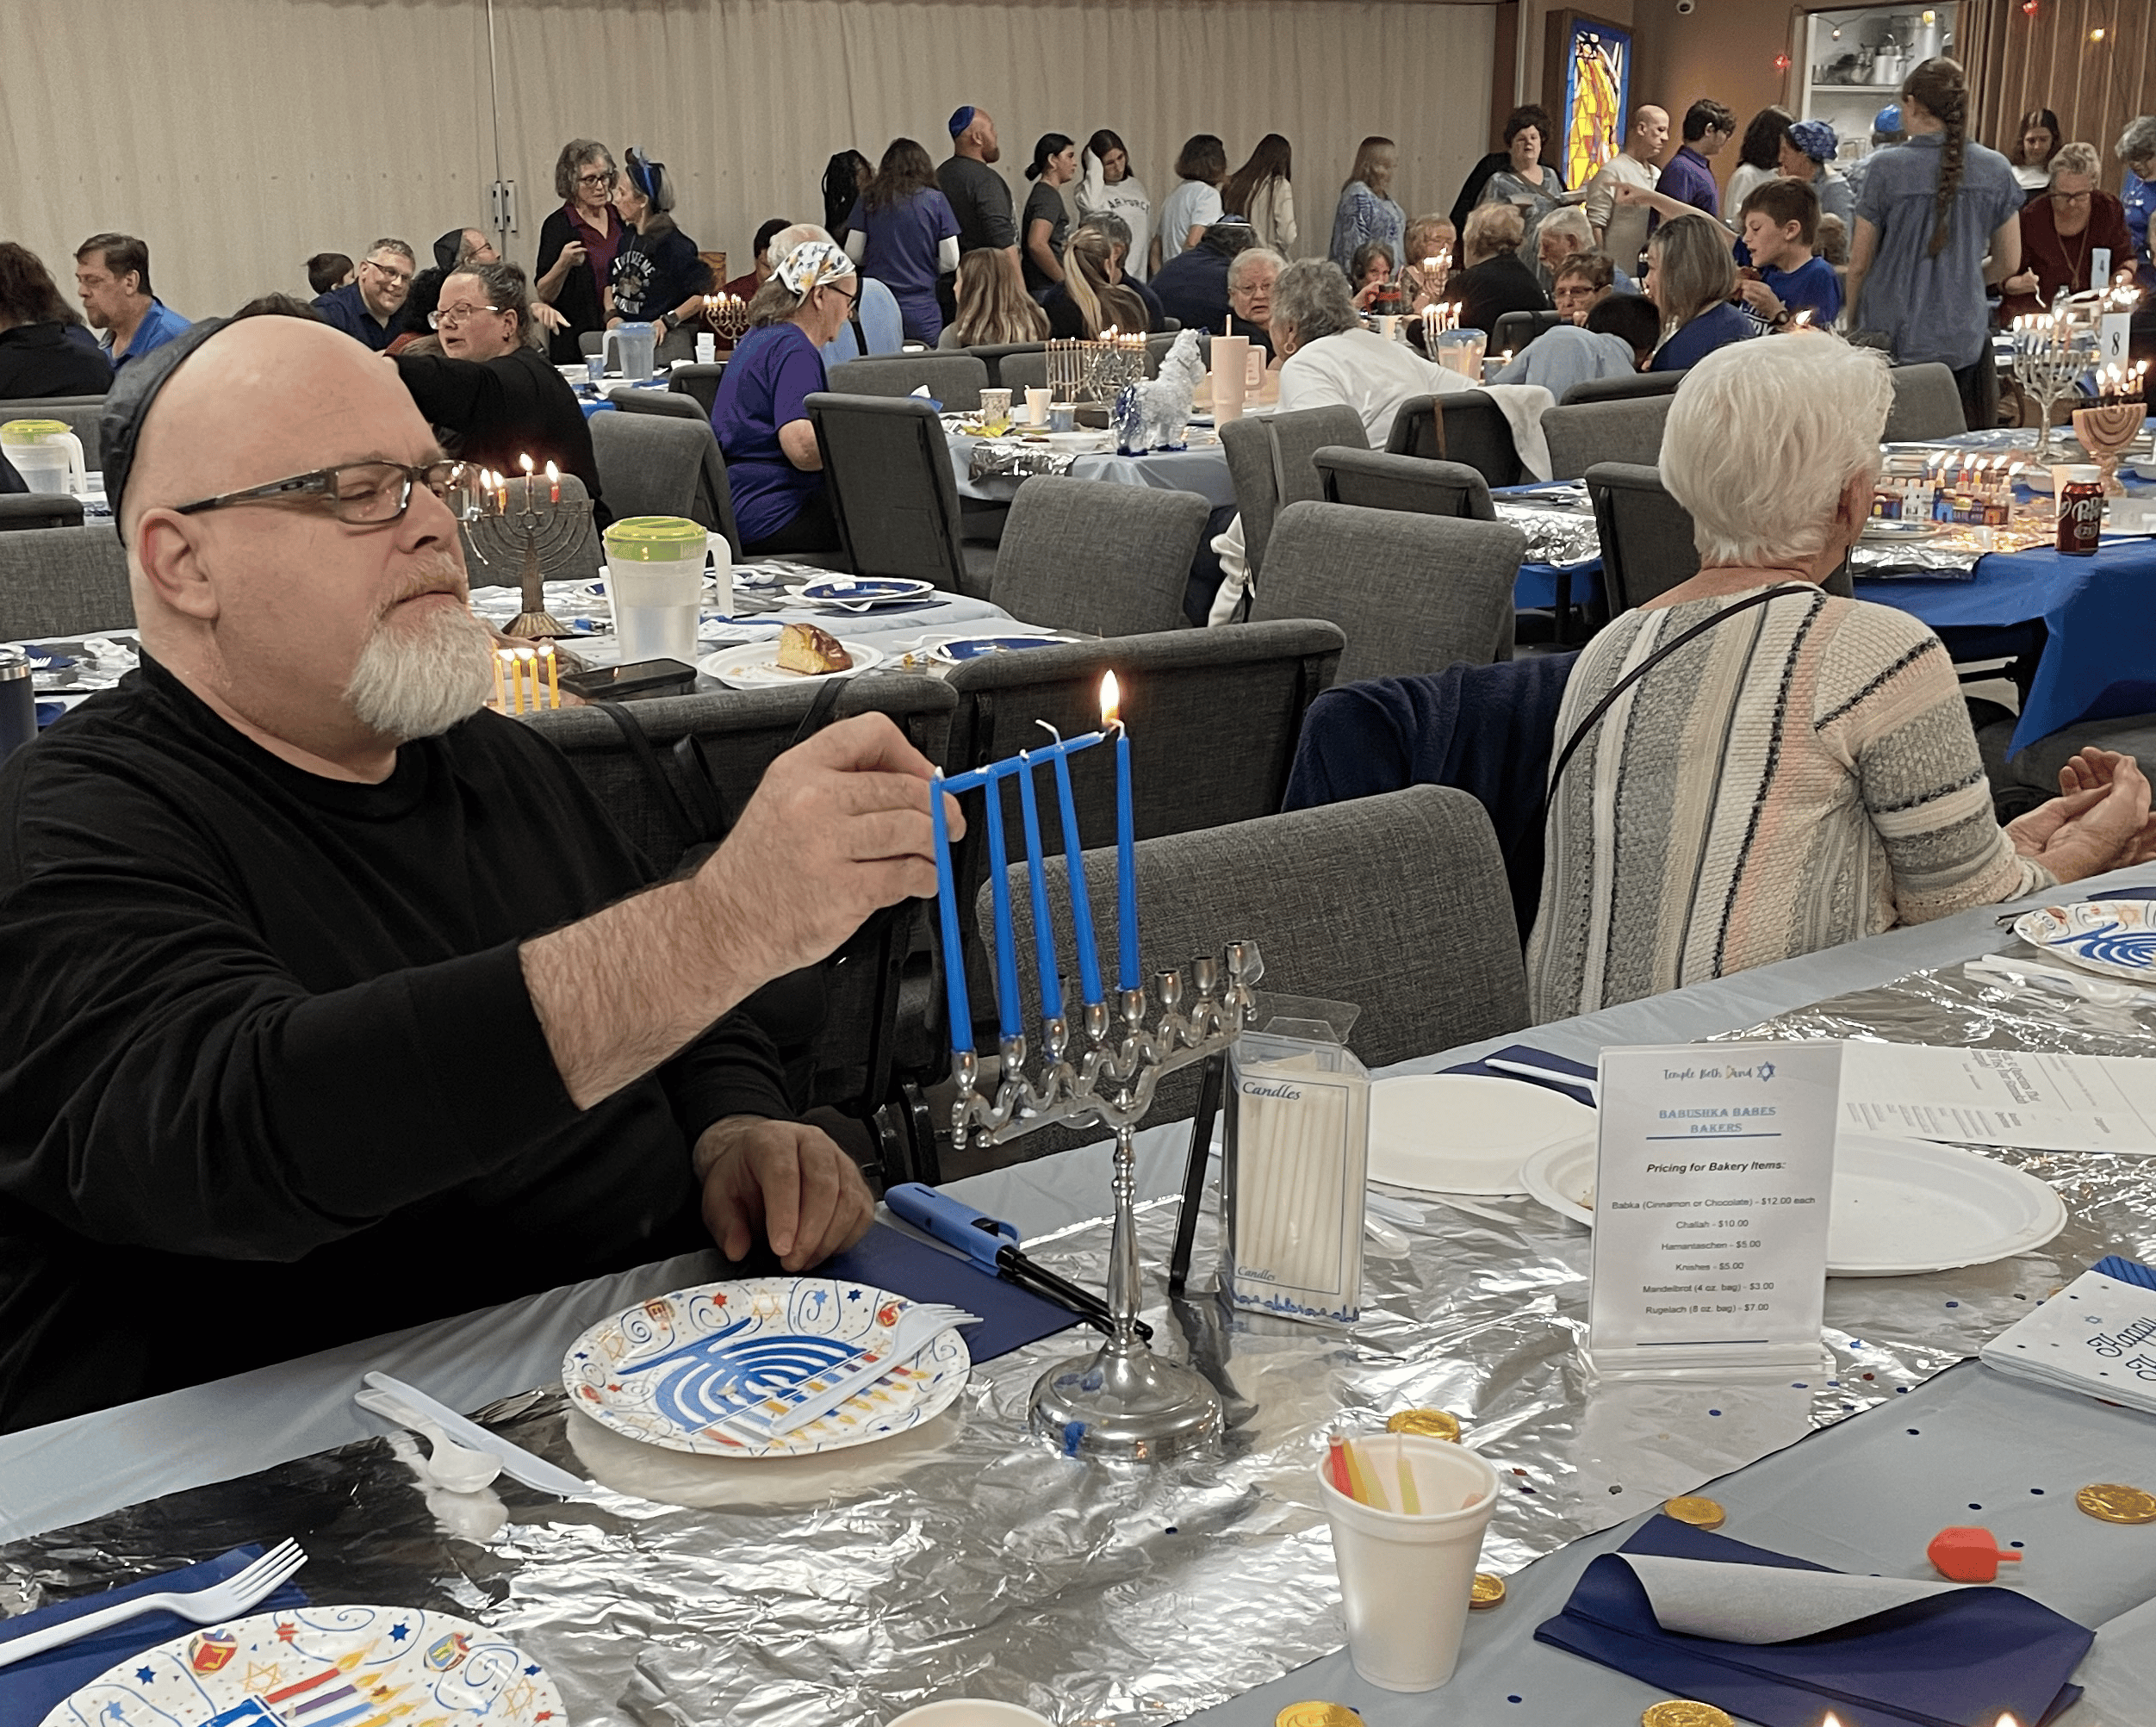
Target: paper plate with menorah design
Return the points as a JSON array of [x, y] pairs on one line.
[[2114, 938], [707, 1370]]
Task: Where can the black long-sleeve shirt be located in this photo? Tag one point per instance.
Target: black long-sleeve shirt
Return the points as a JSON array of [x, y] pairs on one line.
[[503, 409], [270, 1077]]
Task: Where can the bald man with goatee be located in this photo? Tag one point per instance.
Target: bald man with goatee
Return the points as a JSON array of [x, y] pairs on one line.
[[333, 994], [1620, 230]]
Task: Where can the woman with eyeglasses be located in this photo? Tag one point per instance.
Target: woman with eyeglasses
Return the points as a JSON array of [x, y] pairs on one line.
[[577, 244], [491, 391], [2061, 229], [773, 468]]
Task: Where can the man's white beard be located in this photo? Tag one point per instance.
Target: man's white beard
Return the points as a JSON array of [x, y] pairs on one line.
[[416, 679]]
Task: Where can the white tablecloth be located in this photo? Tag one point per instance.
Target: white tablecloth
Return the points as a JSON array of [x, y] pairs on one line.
[[1202, 470]]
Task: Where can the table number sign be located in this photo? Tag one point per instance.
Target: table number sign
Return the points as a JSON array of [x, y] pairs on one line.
[[1713, 1182]]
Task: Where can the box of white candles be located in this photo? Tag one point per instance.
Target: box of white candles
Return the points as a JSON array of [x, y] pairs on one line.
[[1295, 1148]]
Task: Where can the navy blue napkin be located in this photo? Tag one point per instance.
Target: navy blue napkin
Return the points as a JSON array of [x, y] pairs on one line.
[[30, 1689], [1956, 1660], [1011, 1317], [1538, 1058]]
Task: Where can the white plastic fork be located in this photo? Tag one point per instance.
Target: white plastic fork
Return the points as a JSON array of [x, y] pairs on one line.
[[916, 1328], [238, 1593]]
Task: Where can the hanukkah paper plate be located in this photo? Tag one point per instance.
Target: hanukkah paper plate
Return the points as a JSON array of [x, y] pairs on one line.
[[2114, 938], [852, 591], [707, 1370], [756, 667], [321, 1664], [958, 650]]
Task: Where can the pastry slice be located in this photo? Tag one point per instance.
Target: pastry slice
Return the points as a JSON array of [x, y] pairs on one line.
[[805, 649]]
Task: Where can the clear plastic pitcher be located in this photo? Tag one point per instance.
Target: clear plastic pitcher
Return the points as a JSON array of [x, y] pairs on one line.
[[633, 349], [47, 455], [655, 581], [1462, 351]]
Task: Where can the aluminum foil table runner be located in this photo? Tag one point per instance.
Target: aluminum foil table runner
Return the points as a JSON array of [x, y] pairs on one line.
[[961, 1559], [1555, 535]]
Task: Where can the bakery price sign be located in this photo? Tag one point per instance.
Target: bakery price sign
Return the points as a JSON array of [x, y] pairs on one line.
[[1714, 1179]]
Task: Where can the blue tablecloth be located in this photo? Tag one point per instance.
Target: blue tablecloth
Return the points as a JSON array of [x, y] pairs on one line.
[[1536, 586], [599, 404], [2099, 658]]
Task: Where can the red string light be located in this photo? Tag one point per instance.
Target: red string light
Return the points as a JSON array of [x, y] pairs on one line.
[[2029, 7], [1781, 63]]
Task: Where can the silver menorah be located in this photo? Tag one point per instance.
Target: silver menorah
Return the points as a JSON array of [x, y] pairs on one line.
[[520, 521], [1120, 1403], [1080, 371], [2050, 352]]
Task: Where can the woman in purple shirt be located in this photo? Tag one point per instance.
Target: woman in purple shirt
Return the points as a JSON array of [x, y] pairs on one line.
[[904, 234], [773, 468]]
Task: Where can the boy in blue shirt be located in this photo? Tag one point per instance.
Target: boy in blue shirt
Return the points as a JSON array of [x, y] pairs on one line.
[[1781, 224]]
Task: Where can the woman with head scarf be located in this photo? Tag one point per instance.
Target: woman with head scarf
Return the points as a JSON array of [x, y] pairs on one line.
[[773, 468], [658, 278], [1808, 148]]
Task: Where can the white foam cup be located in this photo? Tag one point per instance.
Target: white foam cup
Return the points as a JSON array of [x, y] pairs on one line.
[[1037, 407], [970, 1712], [1405, 1579]]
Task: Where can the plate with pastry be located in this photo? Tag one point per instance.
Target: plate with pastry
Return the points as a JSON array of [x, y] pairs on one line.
[[800, 654]]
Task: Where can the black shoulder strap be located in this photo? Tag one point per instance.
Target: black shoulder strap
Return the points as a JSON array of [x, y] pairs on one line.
[[670, 796], [1653, 660]]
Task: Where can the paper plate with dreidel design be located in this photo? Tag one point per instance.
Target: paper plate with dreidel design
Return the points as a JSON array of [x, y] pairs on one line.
[[708, 1370], [353, 1664]]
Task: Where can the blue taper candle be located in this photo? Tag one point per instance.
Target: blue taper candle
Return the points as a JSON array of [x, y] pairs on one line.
[[1043, 928], [1008, 1011], [1089, 958], [946, 904], [1126, 860]]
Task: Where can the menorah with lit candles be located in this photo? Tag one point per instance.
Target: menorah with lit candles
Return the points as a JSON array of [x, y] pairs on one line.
[[527, 680], [527, 522], [1120, 1403], [2108, 429], [1095, 371], [2051, 350], [728, 316]]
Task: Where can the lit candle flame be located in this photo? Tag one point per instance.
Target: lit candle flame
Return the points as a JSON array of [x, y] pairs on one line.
[[1111, 700], [1802, 319], [526, 460]]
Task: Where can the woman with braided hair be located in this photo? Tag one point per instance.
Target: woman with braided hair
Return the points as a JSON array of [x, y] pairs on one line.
[[1938, 220]]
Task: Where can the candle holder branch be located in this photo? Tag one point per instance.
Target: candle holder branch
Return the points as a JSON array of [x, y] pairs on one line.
[[1120, 1403]]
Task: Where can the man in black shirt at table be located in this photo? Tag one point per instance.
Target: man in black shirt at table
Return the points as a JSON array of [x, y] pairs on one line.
[[335, 1003]]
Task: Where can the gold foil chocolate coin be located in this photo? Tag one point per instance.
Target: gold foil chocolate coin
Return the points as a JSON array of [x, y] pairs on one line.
[[2111, 1503], [1682, 1712], [1437, 1424], [1489, 1591], [1317, 1715], [1700, 1513]]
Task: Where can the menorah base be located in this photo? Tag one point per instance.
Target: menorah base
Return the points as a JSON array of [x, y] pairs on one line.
[[535, 627], [1122, 1405]]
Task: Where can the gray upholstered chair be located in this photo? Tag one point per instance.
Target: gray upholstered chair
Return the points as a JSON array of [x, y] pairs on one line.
[[888, 465], [1158, 344], [993, 354], [850, 1028], [1269, 459], [699, 382], [1099, 559], [652, 464], [1397, 904], [1623, 388], [1378, 480], [632, 400], [20, 510], [955, 380], [1463, 425], [1214, 716], [1647, 536], [1927, 405], [82, 413], [1023, 369], [2022, 781], [64, 582], [1518, 330], [1413, 593], [1589, 432]]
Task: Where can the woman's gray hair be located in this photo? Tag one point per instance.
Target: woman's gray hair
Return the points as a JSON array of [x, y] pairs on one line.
[[1312, 298], [1763, 437], [1240, 266], [1117, 230], [507, 289], [2076, 158], [2138, 142], [575, 154]]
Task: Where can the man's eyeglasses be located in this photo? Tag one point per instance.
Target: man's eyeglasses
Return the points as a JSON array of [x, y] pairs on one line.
[[2070, 197], [449, 317], [362, 493], [597, 181], [403, 276]]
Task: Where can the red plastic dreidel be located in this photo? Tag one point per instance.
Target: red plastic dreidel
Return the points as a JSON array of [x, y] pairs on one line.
[[1968, 1555]]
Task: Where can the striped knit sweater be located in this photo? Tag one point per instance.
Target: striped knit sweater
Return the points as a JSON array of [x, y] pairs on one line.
[[1802, 775]]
